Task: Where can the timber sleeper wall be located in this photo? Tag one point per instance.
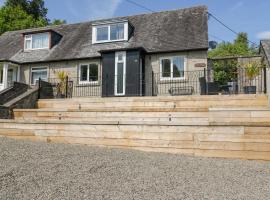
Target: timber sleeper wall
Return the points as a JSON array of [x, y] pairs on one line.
[[238, 128], [214, 141]]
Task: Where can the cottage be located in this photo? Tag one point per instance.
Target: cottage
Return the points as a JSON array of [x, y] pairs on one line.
[[265, 52], [121, 56]]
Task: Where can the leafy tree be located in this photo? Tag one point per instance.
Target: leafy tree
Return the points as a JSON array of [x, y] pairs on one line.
[[225, 70], [15, 18], [35, 8], [240, 47], [58, 22], [23, 14]]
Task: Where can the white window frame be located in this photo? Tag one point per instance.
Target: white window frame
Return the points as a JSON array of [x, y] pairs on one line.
[[88, 72], [30, 38], [94, 33], [171, 76], [116, 74], [47, 70]]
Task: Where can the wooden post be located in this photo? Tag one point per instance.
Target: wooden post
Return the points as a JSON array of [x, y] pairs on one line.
[[264, 81], [39, 87], [66, 86]]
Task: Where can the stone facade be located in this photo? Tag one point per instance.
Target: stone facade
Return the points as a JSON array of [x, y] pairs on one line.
[[152, 66], [192, 75]]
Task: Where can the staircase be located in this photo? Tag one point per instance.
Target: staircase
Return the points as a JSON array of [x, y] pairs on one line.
[[214, 126]]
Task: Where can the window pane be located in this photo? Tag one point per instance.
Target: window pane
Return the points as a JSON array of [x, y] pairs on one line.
[[120, 74], [178, 67], [83, 76], [40, 41], [39, 73], [166, 68], [117, 32], [120, 57], [28, 44], [93, 74], [102, 33]]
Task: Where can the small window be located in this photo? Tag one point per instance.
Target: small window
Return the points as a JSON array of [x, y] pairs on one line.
[[89, 73], [84, 72], [36, 41], [39, 73], [102, 33], [172, 68], [110, 32], [117, 32]]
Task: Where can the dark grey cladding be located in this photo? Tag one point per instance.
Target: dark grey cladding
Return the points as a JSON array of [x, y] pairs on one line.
[[177, 30]]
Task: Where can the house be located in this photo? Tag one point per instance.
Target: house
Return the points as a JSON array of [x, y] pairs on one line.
[[121, 56], [265, 52]]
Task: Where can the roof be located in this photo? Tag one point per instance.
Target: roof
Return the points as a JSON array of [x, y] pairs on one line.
[[177, 30], [265, 45]]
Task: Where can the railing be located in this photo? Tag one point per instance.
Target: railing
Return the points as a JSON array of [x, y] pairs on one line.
[[201, 82]]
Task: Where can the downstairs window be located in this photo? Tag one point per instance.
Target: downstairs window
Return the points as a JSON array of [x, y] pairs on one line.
[[172, 68], [89, 73], [39, 73]]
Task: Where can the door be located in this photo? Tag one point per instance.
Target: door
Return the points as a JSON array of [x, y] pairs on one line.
[[120, 74]]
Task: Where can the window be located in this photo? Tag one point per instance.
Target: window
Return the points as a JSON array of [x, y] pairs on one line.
[[36, 41], [39, 72], [120, 73], [172, 67], [117, 32], [102, 33], [88, 73], [110, 32]]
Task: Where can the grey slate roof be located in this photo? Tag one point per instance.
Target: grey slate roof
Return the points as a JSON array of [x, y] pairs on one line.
[[265, 44], [177, 30]]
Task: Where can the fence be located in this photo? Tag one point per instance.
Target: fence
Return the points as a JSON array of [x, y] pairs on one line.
[[201, 82]]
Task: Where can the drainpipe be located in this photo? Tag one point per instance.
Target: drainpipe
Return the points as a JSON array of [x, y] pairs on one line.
[[5, 74]]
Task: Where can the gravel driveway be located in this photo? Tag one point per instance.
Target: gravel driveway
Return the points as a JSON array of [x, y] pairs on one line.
[[55, 171]]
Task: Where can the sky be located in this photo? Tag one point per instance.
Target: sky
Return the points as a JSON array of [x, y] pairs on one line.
[[251, 16]]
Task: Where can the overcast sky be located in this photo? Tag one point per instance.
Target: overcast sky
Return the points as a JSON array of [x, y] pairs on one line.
[[251, 16]]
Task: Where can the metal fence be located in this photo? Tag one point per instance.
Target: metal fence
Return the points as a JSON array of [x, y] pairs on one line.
[[201, 82]]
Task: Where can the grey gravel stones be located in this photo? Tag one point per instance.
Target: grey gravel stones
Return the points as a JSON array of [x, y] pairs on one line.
[[31, 170]]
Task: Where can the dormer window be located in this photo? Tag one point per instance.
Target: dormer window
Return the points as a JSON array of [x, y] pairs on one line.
[[110, 32], [36, 41]]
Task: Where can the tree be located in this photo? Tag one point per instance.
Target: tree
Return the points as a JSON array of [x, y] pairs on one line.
[[58, 22], [35, 8], [15, 18], [23, 14], [240, 47]]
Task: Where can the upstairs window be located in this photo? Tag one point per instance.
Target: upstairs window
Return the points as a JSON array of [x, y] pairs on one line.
[[110, 32], [172, 68], [36, 41]]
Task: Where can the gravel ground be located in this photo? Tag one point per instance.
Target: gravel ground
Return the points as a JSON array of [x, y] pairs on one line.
[[55, 171]]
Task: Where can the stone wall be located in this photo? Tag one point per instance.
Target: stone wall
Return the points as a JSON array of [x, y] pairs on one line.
[[12, 92], [152, 64], [25, 101]]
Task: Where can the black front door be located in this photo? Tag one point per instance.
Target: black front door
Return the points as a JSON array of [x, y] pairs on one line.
[[122, 74]]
